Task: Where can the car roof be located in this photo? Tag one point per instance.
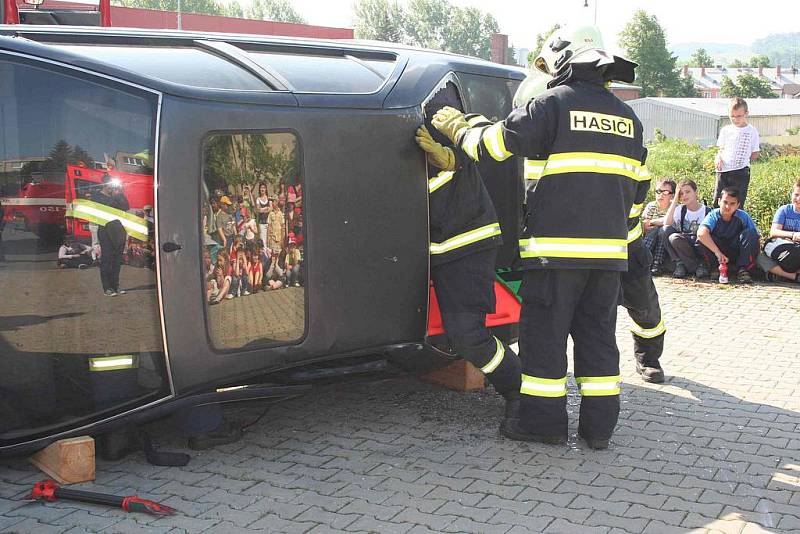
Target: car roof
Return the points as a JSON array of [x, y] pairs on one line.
[[251, 68]]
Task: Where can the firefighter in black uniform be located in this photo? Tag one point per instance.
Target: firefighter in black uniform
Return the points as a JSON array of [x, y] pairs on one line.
[[464, 235], [574, 244], [638, 294], [111, 234]]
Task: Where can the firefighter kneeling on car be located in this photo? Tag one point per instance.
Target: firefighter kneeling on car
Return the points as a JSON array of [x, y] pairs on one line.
[[464, 236], [586, 146]]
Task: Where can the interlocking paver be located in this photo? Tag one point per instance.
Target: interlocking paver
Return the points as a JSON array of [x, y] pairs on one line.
[[474, 527], [589, 503], [223, 512], [711, 450], [433, 521], [273, 523], [562, 526], [640, 511], [615, 522], [370, 524]]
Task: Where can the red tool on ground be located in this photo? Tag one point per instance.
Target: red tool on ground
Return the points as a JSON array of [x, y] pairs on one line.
[[50, 491]]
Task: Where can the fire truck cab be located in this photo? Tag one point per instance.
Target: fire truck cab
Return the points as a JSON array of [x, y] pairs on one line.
[[277, 187]]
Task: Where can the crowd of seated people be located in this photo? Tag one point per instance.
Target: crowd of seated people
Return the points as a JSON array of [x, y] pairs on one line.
[[253, 243], [690, 238]]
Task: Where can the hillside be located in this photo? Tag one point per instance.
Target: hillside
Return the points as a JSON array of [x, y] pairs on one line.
[[781, 48]]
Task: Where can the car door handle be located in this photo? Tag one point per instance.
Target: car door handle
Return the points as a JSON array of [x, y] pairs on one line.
[[169, 246]]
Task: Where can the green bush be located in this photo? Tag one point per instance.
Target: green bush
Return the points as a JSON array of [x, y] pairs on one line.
[[771, 178]]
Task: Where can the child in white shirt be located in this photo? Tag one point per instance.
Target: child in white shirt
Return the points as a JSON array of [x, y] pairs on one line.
[[738, 146]]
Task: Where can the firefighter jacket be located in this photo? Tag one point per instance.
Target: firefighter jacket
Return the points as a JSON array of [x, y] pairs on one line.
[[102, 210], [635, 230], [585, 154], [462, 216]]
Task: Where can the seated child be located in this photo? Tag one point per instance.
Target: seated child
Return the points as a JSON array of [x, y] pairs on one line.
[[781, 256]]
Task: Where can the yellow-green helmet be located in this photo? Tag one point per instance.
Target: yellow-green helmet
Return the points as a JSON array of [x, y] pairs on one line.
[[581, 45], [534, 84]]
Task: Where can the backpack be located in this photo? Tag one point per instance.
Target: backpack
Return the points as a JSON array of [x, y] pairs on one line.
[[787, 255], [684, 209]]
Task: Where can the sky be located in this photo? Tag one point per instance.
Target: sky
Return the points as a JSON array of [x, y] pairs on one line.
[[720, 21]]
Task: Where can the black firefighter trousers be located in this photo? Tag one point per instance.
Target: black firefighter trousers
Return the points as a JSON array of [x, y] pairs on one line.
[[581, 303], [112, 238], [465, 291], [640, 298]]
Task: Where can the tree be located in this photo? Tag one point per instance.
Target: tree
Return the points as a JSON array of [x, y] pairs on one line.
[[746, 86], [425, 23], [205, 7], [379, 20], [540, 40], [686, 88], [277, 10], [759, 61], [59, 156], [737, 64], [79, 156], [644, 41], [700, 58], [469, 31], [234, 9]]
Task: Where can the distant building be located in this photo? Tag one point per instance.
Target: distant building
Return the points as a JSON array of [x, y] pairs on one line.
[[152, 19], [707, 80], [521, 55], [700, 119], [625, 91]]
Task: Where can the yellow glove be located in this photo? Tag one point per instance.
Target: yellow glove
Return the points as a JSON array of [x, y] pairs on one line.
[[439, 156], [450, 122]]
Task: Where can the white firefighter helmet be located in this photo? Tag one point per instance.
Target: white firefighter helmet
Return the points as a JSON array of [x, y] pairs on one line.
[[534, 84], [581, 45]]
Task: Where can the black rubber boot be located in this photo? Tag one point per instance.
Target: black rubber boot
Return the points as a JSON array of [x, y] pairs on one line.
[[511, 415], [117, 444], [226, 433], [512, 430]]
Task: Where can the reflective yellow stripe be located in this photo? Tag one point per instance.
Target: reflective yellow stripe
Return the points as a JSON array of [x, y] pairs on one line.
[[101, 214], [533, 168], [493, 139], [467, 238], [439, 180], [636, 210], [596, 162], [471, 141], [649, 333], [570, 247], [598, 386], [543, 387], [477, 120], [496, 359], [635, 233], [113, 363]]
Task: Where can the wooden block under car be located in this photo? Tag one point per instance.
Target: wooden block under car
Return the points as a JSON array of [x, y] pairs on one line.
[[67, 461], [459, 375]]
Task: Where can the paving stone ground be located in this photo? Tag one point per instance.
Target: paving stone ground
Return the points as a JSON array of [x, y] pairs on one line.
[[715, 449]]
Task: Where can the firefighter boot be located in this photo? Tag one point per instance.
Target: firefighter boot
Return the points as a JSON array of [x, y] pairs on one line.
[[117, 444], [593, 443], [512, 430], [511, 415], [653, 375]]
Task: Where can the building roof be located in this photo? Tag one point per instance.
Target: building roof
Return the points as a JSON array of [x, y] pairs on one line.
[[718, 107], [711, 77]]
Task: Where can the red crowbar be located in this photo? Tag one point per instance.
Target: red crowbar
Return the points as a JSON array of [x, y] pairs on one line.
[[50, 491]]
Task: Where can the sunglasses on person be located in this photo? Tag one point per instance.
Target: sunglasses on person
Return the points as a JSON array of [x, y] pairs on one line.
[[667, 191]]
